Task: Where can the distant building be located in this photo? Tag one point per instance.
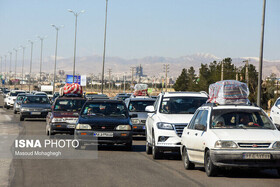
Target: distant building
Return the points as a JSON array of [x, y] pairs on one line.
[[139, 72]]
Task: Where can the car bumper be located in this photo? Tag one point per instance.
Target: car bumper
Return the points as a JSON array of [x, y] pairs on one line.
[[27, 114], [138, 129], [235, 158], [119, 137], [62, 128], [172, 140]]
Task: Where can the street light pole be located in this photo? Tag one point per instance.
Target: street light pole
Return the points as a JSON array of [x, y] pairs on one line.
[[42, 39], [5, 67], [23, 49], [76, 20], [31, 43], [261, 56], [10, 68], [103, 62], [15, 66], [54, 73]]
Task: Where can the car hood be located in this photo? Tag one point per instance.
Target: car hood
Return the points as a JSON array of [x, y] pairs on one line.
[[36, 105], [176, 118], [65, 114], [103, 121], [140, 115], [247, 134]]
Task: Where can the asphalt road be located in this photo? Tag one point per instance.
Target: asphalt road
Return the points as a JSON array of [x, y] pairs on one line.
[[115, 166]]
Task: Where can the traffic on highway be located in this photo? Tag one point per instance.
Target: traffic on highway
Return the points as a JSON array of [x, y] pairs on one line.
[[220, 134]]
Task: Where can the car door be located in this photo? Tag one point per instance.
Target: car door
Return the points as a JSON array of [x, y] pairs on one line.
[[151, 117], [275, 112], [190, 135]]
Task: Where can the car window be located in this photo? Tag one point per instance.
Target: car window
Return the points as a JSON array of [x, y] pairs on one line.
[[277, 102], [156, 103], [195, 119], [69, 105], [37, 100], [233, 119], [181, 105], [101, 109], [139, 106]]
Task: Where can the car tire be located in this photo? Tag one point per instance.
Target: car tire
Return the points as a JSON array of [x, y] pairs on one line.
[[21, 118], [210, 168], [156, 153], [148, 148], [188, 165], [128, 146], [15, 112]]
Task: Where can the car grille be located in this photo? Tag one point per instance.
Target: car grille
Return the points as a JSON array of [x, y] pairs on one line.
[[179, 129], [143, 121], [103, 127], [254, 145], [35, 109]]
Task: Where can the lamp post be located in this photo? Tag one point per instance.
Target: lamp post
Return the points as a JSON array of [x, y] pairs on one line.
[[42, 39], [261, 56], [23, 49], [31, 44], [76, 19], [5, 67], [103, 61], [10, 67], [54, 73], [1, 65], [15, 65]]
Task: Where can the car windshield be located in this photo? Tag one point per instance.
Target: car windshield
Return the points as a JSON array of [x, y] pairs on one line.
[[69, 105], [139, 106], [181, 105], [244, 119], [15, 93], [105, 110], [36, 99]]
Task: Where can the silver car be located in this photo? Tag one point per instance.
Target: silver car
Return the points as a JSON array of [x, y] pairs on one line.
[[18, 102]]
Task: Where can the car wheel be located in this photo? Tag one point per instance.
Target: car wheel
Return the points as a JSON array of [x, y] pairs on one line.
[[148, 148], [128, 146], [8, 107], [15, 112], [156, 153], [187, 164], [21, 118], [210, 168]]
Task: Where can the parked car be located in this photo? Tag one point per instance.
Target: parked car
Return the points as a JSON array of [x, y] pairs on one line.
[[64, 115], [170, 114], [240, 136], [11, 97], [104, 121], [136, 106], [35, 106], [18, 102]]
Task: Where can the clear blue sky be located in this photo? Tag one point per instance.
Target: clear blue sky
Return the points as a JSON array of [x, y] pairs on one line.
[[139, 28]]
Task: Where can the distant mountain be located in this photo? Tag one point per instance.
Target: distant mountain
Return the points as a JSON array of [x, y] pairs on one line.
[[152, 65]]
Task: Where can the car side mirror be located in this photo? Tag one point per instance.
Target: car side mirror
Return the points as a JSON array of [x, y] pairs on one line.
[[133, 116], [278, 106], [200, 127], [150, 109]]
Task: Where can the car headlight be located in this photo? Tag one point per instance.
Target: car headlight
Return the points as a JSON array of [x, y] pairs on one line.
[[123, 128], [225, 144], [83, 126], [135, 121], [166, 126], [54, 120], [276, 145], [24, 109]]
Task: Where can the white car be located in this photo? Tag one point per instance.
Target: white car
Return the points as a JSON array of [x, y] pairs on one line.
[[170, 114], [240, 136], [275, 112], [11, 97]]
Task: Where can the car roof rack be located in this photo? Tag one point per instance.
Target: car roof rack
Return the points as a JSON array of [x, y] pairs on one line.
[[217, 104], [71, 95]]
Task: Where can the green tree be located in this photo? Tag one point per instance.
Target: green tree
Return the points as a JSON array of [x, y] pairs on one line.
[[192, 78], [181, 83], [204, 75]]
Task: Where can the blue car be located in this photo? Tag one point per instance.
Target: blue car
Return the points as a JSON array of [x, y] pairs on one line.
[[104, 121]]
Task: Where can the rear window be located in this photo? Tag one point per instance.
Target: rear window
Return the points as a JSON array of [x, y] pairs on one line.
[[15, 93], [139, 106]]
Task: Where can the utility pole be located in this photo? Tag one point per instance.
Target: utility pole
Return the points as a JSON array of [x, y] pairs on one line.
[[132, 74], [10, 68], [23, 49], [222, 71], [261, 56], [166, 69], [15, 66], [42, 39], [124, 77], [109, 71], [236, 74], [31, 51], [247, 71]]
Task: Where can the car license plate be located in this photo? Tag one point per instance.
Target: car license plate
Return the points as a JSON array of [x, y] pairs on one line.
[[35, 113], [144, 127], [103, 134], [71, 126], [261, 156]]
